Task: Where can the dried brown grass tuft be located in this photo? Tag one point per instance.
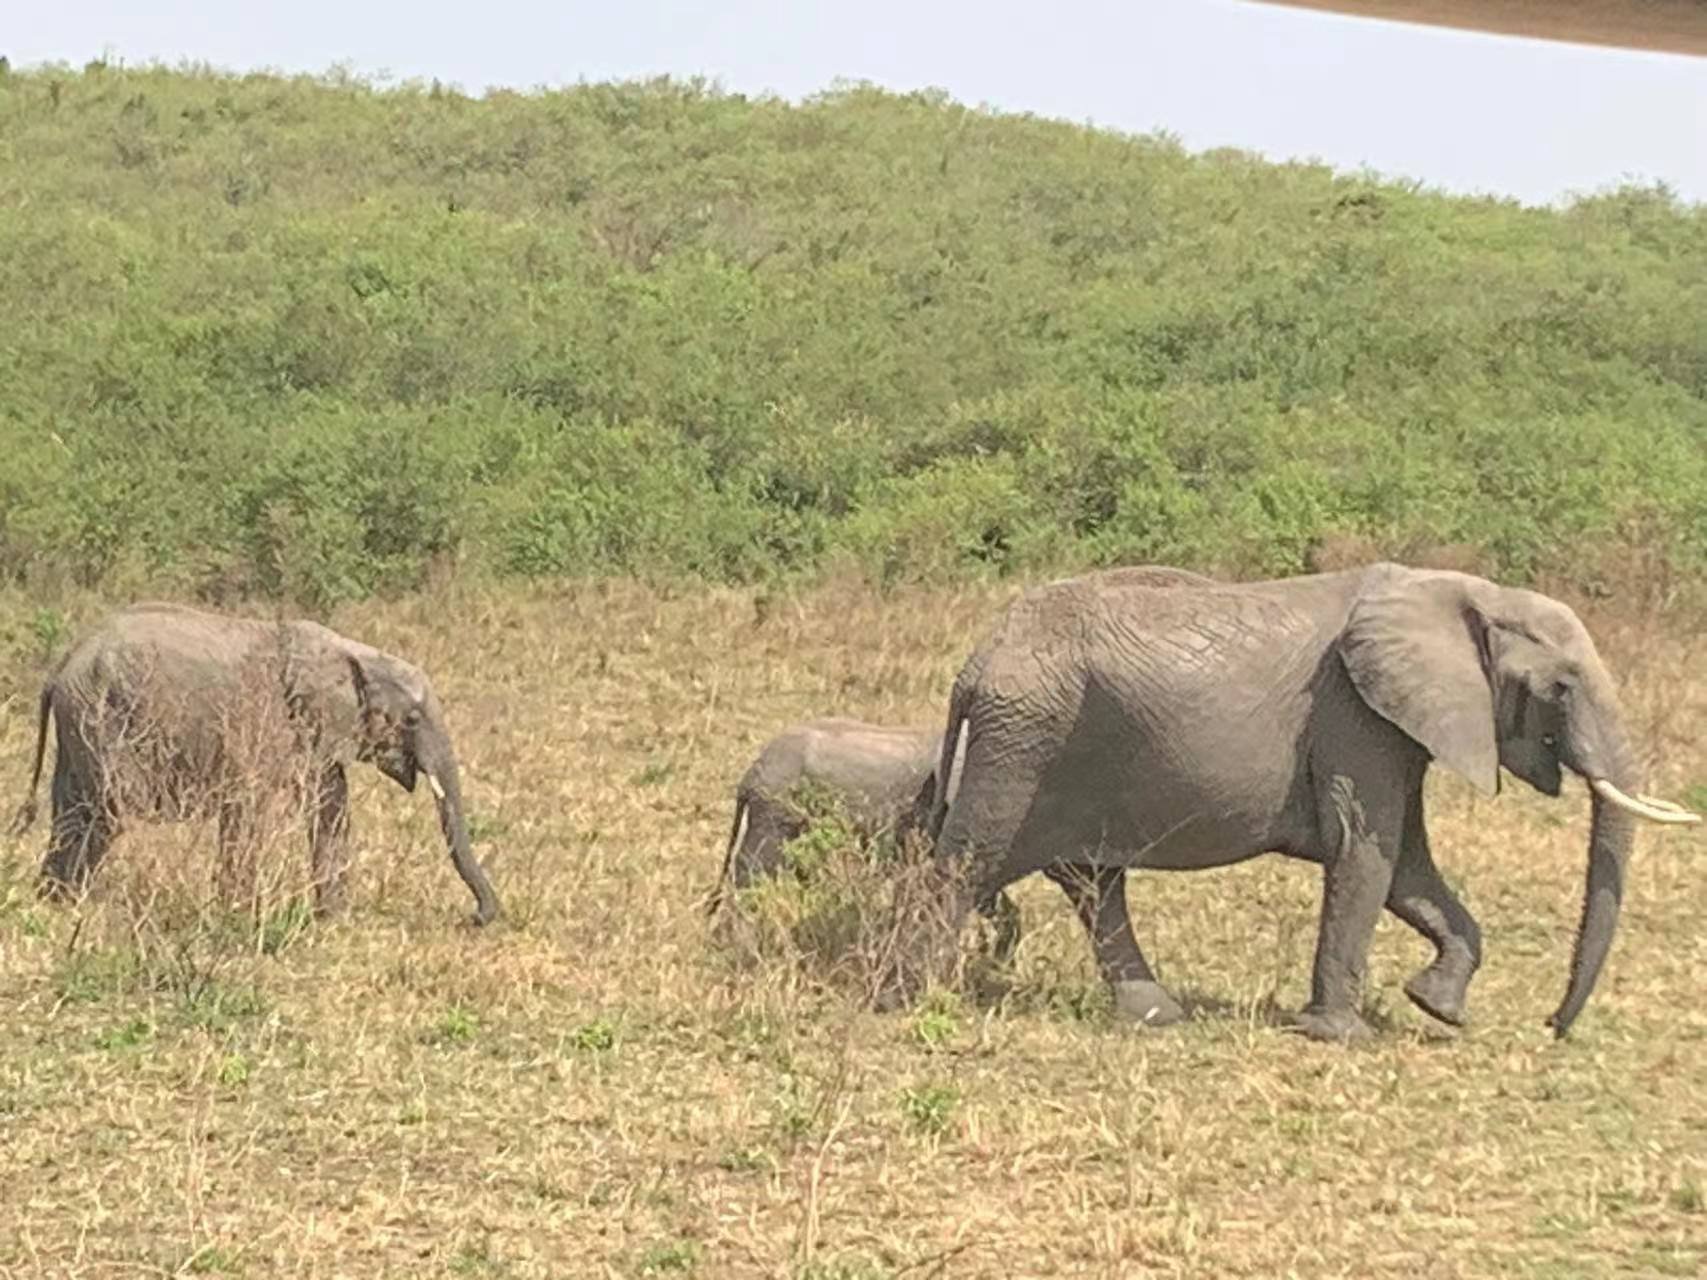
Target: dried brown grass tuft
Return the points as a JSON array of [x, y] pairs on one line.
[[590, 1087]]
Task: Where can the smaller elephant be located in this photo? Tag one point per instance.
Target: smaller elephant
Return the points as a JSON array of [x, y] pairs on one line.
[[168, 713], [885, 778]]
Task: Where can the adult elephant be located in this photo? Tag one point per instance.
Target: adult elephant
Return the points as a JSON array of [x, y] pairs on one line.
[[1121, 723], [882, 776], [166, 713]]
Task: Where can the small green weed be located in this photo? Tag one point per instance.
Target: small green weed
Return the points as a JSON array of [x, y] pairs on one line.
[[482, 828], [752, 1033], [136, 1032], [87, 976], [929, 1108], [1086, 1002], [938, 1020], [48, 628], [214, 1260], [673, 1257], [849, 1267], [652, 773], [792, 1109], [746, 1160], [457, 1026], [218, 1007], [477, 1259], [233, 1070], [597, 1036], [1666, 1260], [284, 926]]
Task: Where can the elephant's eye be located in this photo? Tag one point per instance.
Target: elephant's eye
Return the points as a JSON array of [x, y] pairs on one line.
[[1559, 690], [1549, 741], [413, 718]]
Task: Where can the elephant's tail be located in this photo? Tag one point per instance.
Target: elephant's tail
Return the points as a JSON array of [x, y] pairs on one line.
[[27, 811], [737, 833], [953, 750]]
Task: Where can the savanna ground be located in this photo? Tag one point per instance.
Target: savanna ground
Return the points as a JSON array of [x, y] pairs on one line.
[[591, 1088]]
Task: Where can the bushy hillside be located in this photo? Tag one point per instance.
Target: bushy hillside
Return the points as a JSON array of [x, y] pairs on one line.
[[305, 336]]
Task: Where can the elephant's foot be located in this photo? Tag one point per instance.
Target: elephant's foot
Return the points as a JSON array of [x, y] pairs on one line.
[[1338, 1026], [1439, 994], [892, 995], [51, 888], [1145, 1004], [899, 984], [1003, 918]]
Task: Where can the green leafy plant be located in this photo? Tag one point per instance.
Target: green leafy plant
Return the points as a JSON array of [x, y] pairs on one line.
[[929, 1108]]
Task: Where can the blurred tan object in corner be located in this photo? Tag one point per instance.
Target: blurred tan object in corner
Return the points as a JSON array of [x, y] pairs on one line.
[[1661, 26]]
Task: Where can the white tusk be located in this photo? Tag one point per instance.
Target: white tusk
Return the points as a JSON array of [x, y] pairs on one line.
[[438, 789], [1660, 804], [1653, 811]]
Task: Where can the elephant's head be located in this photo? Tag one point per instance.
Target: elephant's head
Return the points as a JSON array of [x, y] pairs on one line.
[[1483, 676], [381, 709]]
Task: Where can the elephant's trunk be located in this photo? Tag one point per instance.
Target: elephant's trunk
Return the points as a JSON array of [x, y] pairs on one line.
[[1610, 838], [444, 781], [1596, 746]]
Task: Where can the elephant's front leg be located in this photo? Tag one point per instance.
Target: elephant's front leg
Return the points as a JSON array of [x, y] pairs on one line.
[[1004, 919], [1422, 900], [1098, 895], [975, 858], [1361, 820], [329, 840]]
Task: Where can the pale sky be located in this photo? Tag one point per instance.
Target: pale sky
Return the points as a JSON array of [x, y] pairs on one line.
[[1457, 110]]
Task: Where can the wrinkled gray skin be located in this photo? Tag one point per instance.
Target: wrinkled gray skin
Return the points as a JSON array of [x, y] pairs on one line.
[[167, 713], [1124, 721], [886, 779]]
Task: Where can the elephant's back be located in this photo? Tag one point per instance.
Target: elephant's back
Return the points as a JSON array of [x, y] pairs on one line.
[[155, 641], [873, 766]]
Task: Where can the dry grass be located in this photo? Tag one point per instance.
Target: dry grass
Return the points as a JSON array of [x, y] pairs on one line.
[[588, 1088]]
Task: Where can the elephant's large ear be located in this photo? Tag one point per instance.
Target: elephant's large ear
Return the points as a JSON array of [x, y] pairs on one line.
[[1414, 648], [318, 692], [358, 679]]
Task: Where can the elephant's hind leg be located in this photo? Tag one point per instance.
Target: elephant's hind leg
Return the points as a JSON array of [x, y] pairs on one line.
[[329, 841], [930, 909], [1422, 900], [83, 830], [973, 862], [1098, 895]]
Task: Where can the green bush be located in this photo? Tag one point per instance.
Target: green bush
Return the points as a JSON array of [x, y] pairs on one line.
[[302, 337]]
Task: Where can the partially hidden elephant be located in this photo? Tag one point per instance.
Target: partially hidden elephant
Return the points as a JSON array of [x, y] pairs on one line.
[[166, 713], [1120, 720], [884, 777]]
